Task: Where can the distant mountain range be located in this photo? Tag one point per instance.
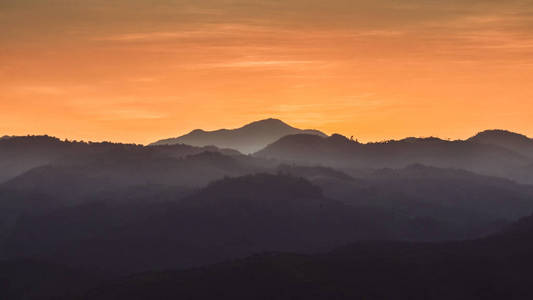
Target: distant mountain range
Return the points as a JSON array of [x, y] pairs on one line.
[[113, 209], [21, 154], [247, 139], [492, 152], [72, 197], [495, 153]]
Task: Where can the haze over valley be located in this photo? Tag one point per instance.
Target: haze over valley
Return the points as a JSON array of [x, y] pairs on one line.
[[110, 209]]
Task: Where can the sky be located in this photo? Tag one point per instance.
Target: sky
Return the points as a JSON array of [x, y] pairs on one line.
[[137, 71]]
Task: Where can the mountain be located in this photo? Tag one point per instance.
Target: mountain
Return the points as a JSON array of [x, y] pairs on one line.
[[304, 211], [20, 154], [476, 205], [496, 267], [247, 139], [34, 280], [417, 201], [23, 153], [506, 139], [114, 177], [339, 152], [235, 217], [230, 218], [43, 174]]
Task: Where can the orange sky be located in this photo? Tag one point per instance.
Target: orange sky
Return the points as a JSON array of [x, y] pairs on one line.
[[138, 71]]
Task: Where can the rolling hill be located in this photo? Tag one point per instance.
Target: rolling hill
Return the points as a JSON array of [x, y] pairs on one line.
[[339, 152], [247, 139]]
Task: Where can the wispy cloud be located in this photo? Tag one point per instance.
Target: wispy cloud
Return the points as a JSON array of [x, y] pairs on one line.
[[149, 36], [260, 64], [128, 114], [39, 90]]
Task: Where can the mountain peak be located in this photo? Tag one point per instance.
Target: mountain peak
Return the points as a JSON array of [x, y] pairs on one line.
[[197, 131], [506, 139], [499, 133], [338, 138], [269, 121], [246, 139]]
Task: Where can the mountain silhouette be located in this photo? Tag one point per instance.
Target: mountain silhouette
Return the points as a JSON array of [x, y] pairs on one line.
[[236, 217], [476, 205], [230, 218], [339, 152], [23, 153], [496, 267], [247, 139], [503, 138], [67, 174], [117, 174], [37, 280], [74, 213]]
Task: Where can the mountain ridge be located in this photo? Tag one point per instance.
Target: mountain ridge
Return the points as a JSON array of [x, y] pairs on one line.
[[511, 140], [340, 152], [247, 139], [494, 267]]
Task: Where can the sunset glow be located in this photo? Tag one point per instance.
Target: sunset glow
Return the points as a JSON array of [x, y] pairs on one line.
[[137, 71]]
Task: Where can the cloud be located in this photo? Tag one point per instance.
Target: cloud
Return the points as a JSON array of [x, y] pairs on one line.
[[128, 114], [150, 36], [39, 89], [260, 64], [97, 16]]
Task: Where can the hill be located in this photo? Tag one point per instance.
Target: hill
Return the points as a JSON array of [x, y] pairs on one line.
[[339, 152], [45, 174], [467, 204], [23, 153], [495, 267], [230, 218], [506, 139], [247, 139]]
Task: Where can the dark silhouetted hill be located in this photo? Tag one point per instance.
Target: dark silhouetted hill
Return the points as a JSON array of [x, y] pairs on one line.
[[61, 174], [35, 280], [496, 267], [316, 173], [247, 139], [468, 204], [119, 209], [506, 139], [20, 154], [230, 218], [254, 213], [117, 169], [339, 152]]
